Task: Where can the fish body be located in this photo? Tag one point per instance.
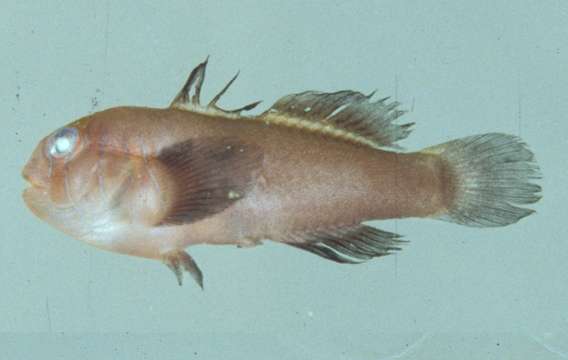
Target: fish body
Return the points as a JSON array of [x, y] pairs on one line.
[[307, 172]]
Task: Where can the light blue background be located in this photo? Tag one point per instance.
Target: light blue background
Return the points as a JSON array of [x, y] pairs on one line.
[[460, 67]]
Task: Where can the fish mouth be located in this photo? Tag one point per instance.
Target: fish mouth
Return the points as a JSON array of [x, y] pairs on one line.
[[37, 201], [33, 192], [37, 196], [32, 182], [33, 188]]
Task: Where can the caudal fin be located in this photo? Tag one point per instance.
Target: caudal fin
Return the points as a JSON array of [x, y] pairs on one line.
[[491, 177]]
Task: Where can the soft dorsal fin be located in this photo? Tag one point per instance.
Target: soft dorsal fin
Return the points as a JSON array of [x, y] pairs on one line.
[[347, 114], [189, 97], [348, 244]]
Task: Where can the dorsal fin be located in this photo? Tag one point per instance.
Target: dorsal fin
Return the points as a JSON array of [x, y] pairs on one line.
[[185, 100], [347, 114]]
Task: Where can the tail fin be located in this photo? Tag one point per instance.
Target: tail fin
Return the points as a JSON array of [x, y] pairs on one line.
[[491, 175]]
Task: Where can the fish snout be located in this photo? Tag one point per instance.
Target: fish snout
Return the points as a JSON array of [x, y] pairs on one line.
[[36, 172]]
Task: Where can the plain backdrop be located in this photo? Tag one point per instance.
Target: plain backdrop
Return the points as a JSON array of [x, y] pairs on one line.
[[458, 67]]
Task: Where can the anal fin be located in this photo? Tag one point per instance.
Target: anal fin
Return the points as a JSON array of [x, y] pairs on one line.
[[347, 245]]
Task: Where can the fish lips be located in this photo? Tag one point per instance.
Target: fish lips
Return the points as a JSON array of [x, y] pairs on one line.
[[32, 181], [36, 193], [37, 200]]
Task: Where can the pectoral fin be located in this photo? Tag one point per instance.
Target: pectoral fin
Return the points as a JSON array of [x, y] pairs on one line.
[[179, 261], [208, 176]]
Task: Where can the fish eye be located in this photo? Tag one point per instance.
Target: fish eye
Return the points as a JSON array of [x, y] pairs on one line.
[[63, 142]]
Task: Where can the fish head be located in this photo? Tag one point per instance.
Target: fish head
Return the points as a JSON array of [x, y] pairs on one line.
[[71, 178]]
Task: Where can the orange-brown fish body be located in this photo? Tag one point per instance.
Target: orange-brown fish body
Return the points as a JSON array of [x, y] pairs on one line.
[[150, 182], [306, 180]]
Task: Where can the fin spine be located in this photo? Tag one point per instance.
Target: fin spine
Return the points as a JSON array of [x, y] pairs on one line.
[[346, 115], [194, 82]]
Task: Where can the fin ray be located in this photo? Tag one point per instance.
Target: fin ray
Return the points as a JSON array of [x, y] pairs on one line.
[[179, 261], [345, 113], [347, 245], [209, 175], [492, 178]]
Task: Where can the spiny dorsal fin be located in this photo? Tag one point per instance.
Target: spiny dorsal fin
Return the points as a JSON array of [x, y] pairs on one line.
[[347, 114], [347, 245], [184, 100]]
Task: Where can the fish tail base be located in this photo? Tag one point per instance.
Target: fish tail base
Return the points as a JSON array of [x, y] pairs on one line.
[[491, 176]]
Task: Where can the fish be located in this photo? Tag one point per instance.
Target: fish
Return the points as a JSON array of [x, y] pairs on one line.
[[310, 172]]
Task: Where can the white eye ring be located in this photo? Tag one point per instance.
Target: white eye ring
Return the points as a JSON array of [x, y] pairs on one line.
[[63, 142]]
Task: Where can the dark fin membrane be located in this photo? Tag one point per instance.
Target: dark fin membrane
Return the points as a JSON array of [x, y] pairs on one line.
[[209, 174], [186, 101], [347, 114], [347, 245], [491, 174], [193, 83], [179, 261]]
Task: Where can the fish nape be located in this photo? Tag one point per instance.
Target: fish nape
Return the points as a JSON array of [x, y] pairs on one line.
[[308, 172]]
